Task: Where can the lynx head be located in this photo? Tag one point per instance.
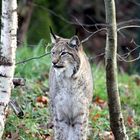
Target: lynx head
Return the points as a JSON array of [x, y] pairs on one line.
[[65, 54]]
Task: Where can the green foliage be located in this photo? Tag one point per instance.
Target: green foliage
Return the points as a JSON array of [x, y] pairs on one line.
[[31, 69], [34, 124], [39, 26], [45, 14]]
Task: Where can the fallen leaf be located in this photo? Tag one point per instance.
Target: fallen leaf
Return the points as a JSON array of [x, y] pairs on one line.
[[100, 102], [42, 99], [130, 121], [8, 135], [49, 138], [46, 137], [96, 107], [106, 135], [96, 116], [12, 135]]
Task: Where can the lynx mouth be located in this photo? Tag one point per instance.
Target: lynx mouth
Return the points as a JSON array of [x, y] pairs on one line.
[[57, 66]]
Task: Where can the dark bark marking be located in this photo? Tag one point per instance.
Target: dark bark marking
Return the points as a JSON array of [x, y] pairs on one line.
[[2, 104], [13, 35], [19, 82], [3, 75], [14, 10], [4, 61], [3, 91]]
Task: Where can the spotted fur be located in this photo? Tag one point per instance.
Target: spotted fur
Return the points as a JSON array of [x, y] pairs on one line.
[[71, 89]]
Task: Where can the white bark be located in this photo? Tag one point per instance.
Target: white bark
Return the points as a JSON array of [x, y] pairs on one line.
[[7, 55]]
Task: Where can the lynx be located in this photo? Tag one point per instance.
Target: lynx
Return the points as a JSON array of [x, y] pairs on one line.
[[71, 88]]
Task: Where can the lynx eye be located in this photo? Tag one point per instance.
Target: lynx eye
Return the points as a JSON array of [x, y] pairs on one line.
[[72, 46], [63, 53], [53, 52]]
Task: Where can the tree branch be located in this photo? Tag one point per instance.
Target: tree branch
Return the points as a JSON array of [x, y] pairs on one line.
[[16, 108], [32, 58], [133, 23], [93, 33], [128, 61], [92, 58]]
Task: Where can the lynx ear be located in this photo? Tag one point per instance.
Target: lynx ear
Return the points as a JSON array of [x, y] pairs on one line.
[[74, 42], [76, 31], [53, 36]]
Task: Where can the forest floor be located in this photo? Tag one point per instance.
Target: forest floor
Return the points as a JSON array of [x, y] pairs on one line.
[[33, 99]]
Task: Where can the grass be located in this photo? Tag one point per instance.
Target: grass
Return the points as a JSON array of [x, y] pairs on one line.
[[36, 114]]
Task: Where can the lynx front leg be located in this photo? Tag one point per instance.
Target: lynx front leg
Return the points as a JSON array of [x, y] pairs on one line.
[[72, 128], [67, 131], [61, 130], [80, 127]]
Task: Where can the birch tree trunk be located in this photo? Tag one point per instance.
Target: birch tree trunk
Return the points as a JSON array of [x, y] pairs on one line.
[[7, 55], [116, 118]]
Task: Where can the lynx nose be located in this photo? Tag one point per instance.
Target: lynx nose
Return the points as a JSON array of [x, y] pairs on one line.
[[54, 62]]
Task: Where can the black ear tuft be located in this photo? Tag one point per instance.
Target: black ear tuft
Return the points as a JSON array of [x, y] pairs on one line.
[[76, 31], [51, 31], [53, 36], [74, 42]]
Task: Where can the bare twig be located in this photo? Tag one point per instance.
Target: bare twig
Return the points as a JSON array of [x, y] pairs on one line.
[[126, 55], [138, 46], [128, 61], [94, 57], [95, 22], [134, 1], [133, 23], [128, 26], [82, 25], [32, 58], [93, 33], [16, 108]]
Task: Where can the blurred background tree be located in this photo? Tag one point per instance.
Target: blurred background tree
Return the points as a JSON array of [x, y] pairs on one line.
[[35, 17]]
